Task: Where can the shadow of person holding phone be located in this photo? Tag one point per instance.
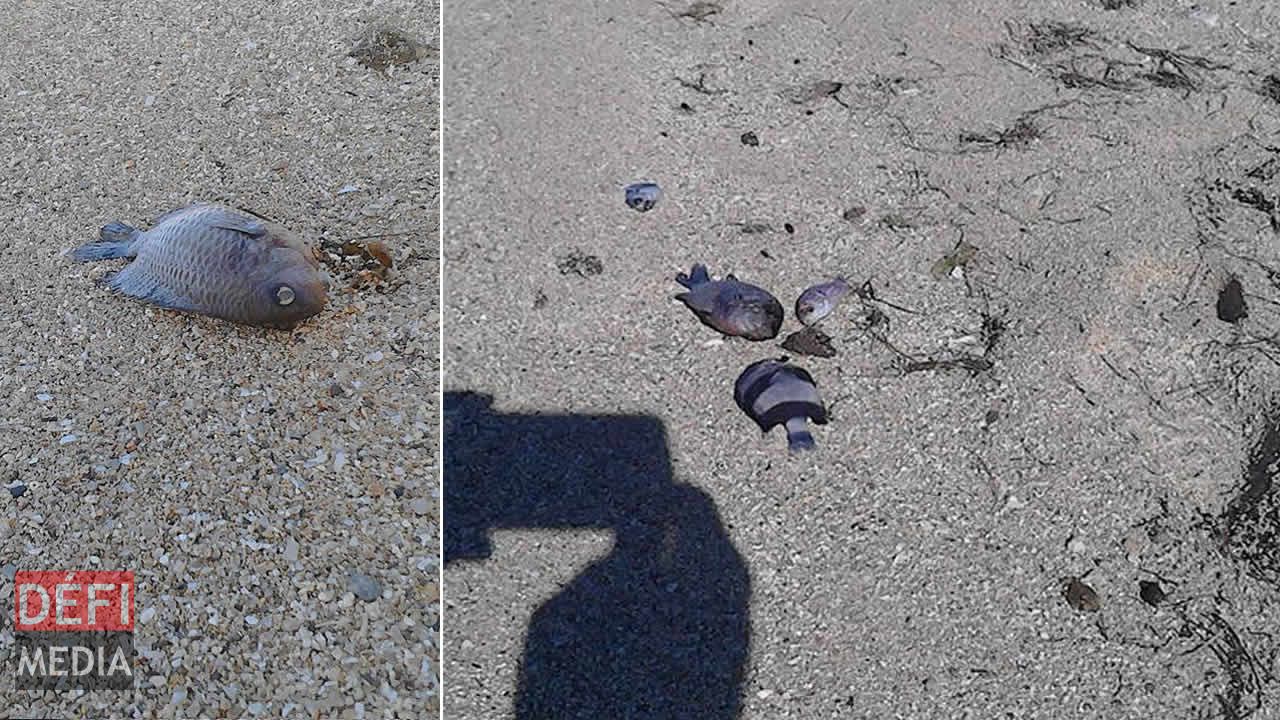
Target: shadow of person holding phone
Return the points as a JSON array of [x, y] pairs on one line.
[[658, 628]]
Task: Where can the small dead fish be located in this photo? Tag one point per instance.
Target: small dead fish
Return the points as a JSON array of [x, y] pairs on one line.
[[643, 196], [772, 392], [213, 260], [820, 300], [730, 305]]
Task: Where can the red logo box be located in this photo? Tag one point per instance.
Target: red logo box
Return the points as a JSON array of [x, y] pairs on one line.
[[73, 601]]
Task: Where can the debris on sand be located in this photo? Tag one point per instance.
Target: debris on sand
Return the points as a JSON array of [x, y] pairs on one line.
[[580, 264], [749, 139], [854, 214], [642, 196], [1151, 592], [362, 262], [1251, 523], [384, 48], [810, 341], [697, 11], [752, 228], [1018, 136], [1231, 305], [958, 258], [1079, 595], [1270, 87], [1119, 4], [814, 92], [1051, 36]]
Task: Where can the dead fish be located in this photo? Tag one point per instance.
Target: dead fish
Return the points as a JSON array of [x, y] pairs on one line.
[[730, 305], [820, 300], [213, 260], [642, 196], [772, 392]]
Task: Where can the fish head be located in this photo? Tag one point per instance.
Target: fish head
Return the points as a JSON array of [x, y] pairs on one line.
[[289, 289], [757, 319]]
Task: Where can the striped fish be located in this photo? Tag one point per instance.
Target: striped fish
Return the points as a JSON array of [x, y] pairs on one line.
[[772, 392]]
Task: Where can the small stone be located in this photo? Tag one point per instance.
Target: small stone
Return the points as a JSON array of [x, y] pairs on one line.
[[68, 438], [9, 572], [251, 620], [420, 506], [44, 397], [147, 615], [335, 390], [1151, 592], [1231, 304], [365, 587], [764, 694], [1080, 596], [750, 140], [17, 490], [257, 708], [398, 491]]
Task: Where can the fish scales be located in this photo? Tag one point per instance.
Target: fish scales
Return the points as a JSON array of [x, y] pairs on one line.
[[216, 261]]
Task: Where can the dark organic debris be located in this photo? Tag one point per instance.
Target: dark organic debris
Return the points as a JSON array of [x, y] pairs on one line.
[[749, 139], [1231, 305], [1270, 87], [1079, 595], [1150, 592], [853, 214], [752, 228], [540, 300], [1119, 4], [959, 257], [816, 91], [810, 341], [1251, 523], [698, 11], [1049, 37], [580, 264], [1243, 675], [1257, 199], [902, 220], [972, 363], [700, 85], [384, 48], [1019, 136], [791, 229]]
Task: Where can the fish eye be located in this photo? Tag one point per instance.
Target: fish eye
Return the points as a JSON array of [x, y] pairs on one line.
[[284, 295]]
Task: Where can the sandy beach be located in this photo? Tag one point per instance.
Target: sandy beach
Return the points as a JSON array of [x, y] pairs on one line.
[[1046, 487], [274, 493]]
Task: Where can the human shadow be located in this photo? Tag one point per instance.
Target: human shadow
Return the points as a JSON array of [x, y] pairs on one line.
[[659, 628]]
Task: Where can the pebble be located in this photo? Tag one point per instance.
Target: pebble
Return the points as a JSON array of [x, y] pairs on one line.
[[365, 587], [69, 438], [642, 196], [9, 572], [421, 506], [44, 397], [17, 489], [147, 615]]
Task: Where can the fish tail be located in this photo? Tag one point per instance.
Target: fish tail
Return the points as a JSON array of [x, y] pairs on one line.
[[697, 276], [114, 241], [798, 437]]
